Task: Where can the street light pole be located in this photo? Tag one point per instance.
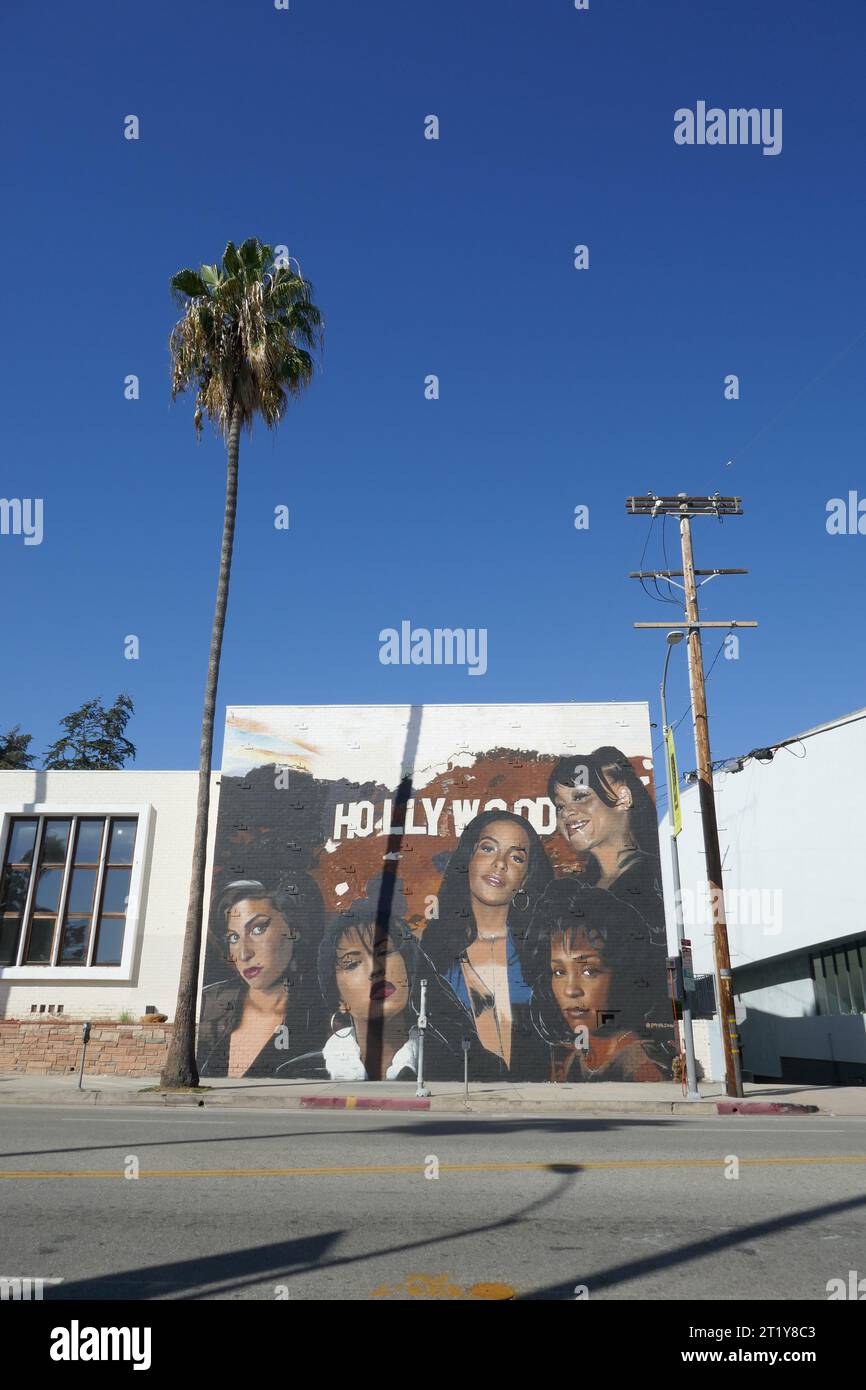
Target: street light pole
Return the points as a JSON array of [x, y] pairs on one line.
[[688, 1035]]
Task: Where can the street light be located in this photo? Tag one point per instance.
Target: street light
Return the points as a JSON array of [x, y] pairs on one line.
[[673, 640]]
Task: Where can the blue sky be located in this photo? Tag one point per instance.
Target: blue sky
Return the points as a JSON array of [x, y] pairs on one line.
[[558, 387]]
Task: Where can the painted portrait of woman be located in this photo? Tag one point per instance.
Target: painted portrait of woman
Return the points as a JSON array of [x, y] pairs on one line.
[[491, 884], [268, 1007], [606, 816], [367, 976], [598, 987]]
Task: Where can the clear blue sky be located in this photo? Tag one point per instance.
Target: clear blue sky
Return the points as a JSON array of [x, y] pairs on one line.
[[454, 257]]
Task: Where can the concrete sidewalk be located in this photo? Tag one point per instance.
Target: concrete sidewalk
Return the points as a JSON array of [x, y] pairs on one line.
[[650, 1099]]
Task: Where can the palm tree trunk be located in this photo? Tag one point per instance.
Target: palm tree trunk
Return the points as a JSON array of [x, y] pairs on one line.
[[180, 1067]]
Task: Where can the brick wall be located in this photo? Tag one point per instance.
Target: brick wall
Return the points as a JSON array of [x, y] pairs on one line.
[[51, 1046]]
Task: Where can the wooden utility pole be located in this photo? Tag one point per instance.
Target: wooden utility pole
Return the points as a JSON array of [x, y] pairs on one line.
[[685, 508]]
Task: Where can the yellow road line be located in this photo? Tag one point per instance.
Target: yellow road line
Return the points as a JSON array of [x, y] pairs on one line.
[[361, 1169]]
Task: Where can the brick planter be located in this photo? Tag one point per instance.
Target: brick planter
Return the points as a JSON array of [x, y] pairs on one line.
[[51, 1045]]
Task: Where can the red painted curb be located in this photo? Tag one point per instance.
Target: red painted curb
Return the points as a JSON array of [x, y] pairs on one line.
[[362, 1103], [763, 1107]]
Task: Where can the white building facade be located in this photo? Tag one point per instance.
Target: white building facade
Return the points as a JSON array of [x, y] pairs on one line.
[[792, 830], [93, 895]]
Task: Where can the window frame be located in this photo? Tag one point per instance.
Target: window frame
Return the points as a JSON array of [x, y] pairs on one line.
[[833, 989], [84, 973]]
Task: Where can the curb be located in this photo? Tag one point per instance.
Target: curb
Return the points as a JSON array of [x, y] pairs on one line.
[[577, 1107], [763, 1107], [362, 1103]]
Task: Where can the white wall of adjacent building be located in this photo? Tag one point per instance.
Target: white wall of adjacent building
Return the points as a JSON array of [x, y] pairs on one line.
[[793, 840], [165, 805]]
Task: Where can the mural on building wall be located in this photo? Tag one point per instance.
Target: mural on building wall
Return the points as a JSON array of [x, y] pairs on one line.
[[508, 855]]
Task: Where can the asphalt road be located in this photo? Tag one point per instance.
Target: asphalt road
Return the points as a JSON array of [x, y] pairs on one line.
[[525, 1206]]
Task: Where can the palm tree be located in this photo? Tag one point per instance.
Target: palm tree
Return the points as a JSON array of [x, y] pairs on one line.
[[244, 341]]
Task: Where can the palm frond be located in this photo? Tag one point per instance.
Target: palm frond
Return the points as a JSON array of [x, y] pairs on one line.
[[187, 283], [231, 259], [245, 338]]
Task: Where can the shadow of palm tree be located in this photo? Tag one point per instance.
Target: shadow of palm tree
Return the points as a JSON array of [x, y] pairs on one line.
[[697, 1250], [282, 1261]]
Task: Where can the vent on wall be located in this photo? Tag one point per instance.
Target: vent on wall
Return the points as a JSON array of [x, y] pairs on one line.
[[46, 1008]]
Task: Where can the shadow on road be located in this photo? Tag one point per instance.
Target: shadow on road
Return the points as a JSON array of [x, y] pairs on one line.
[[433, 1129], [697, 1250], [282, 1261]]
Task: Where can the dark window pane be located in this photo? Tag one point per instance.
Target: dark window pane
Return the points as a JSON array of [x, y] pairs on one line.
[[74, 948], [858, 986], [9, 939], [820, 985], [109, 946], [832, 983], [122, 841], [116, 890], [41, 936], [48, 890], [21, 842], [13, 894], [81, 886], [55, 841], [845, 1005], [88, 841]]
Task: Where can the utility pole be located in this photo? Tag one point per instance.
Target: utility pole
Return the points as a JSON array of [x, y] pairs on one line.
[[685, 507], [692, 1092]]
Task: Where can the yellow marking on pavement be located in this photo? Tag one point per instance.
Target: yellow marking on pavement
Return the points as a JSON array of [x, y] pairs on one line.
[[430, 1286], [396, 1168]]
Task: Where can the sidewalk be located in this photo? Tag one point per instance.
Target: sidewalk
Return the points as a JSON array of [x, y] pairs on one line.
[[649, 1099]]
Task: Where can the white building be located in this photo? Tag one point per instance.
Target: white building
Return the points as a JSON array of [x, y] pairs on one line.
[[793, 834], [95, 880], [95, 868]]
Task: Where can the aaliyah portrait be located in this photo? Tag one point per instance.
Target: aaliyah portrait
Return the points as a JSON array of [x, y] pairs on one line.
[[490, 886]]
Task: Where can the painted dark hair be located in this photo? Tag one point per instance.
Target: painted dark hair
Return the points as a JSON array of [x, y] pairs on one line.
[[297, 899], [363, 921], [622, 938], [605, 770], [447, 936]]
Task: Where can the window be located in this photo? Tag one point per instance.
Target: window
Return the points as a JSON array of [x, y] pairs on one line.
[[840, 979], [64, 890]]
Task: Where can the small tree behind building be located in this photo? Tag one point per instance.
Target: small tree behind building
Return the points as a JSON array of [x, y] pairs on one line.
[[94, 739], [14, 750]]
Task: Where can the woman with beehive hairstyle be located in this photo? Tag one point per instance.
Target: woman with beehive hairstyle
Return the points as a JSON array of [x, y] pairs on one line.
[[269, 1007]]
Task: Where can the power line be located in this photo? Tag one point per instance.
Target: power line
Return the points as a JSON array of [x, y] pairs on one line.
[[687, 710], [797, 394], [766, 755], [658, 596]]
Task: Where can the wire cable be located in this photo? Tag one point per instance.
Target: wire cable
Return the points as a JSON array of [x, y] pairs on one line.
[[658, 596], [797, 394]]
